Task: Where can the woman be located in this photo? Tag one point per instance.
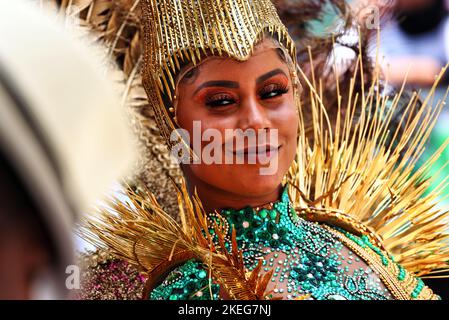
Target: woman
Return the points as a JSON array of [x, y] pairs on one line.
[[327, 222]]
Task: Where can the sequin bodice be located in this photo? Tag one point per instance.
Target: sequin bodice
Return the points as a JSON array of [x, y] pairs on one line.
[[309, 260]]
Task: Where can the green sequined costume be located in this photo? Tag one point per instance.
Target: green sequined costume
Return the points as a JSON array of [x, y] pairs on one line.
[[307, 258]]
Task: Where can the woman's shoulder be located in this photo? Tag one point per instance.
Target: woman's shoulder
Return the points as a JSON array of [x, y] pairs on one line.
[[189, 281], [401, 283]]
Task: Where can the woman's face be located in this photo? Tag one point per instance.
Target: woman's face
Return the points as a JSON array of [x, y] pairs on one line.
[[255, 96]]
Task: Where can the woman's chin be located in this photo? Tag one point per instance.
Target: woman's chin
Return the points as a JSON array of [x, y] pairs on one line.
[[243, 181], [259, 185]]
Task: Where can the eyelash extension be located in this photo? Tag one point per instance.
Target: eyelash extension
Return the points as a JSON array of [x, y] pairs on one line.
[[280, 88], [215, 99]]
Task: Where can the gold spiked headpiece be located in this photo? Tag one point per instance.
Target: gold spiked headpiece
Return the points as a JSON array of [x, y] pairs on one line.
[[180, 32]]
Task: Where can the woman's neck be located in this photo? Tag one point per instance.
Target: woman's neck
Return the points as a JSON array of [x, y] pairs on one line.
[[213, 198]]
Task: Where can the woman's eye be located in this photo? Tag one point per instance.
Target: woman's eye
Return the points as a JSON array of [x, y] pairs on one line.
[[220, 101], [273, 91]]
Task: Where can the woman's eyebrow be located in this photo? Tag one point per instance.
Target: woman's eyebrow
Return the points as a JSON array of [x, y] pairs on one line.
[[218, 83], [270, 74]]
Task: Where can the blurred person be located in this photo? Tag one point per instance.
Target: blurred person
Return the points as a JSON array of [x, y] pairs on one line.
[[63, 142], [414, 41]]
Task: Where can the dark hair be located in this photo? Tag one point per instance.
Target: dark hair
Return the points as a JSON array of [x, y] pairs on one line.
[[415, 22]]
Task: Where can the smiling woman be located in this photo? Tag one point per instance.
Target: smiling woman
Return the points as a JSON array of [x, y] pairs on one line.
[[327, 223], [255, 95]]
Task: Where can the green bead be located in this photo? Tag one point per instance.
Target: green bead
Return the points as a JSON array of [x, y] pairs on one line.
[[263, 213], [202, 274], [272, 227], [273, 214], [264, 235]]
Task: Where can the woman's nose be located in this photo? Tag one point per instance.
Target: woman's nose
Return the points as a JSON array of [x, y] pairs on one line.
[[253, 115]]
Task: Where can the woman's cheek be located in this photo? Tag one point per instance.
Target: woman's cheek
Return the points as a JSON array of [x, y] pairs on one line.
[[285, 118]]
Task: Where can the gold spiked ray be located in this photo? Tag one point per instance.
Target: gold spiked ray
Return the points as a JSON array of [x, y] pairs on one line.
[[143, 234], [359, 174]]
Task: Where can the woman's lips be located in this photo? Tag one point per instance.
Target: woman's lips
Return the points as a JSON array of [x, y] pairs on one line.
[[266, 151], [256, 150]]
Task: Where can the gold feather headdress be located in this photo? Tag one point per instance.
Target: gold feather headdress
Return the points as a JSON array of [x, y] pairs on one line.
[[358, 171]]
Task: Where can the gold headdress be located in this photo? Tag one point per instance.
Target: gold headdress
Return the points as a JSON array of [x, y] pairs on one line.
[[178, 32]]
